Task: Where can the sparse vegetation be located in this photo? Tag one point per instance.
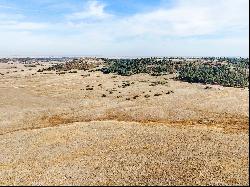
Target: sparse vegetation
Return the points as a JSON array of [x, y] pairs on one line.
[[136, 96], [157, 94], [85, 75], [158, 83], [208, 87], [61, 73], [76, 64], [73, 71], [30, 65], [169, 92], [89, 88]]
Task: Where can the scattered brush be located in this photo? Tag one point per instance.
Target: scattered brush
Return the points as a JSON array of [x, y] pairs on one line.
[[136, 96], [158, 83], [89, 88], [157, 94], [208, 87], [60, 73], [85, 75], [169, 92], [30, 65], [124, 85], [73, 71]]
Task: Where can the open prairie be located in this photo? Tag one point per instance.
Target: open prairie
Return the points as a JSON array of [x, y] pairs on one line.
[[90, 128]]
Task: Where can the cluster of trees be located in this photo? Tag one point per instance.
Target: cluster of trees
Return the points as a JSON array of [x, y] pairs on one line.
[[225, 75], [233, 72], [152, 66]]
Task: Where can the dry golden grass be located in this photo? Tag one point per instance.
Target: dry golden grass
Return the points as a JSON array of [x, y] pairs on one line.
[[55, 131]]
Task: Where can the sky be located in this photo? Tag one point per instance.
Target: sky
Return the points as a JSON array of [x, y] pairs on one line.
[[121, 28]]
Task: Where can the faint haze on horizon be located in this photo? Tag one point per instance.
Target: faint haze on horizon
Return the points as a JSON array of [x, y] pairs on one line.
[[131, 28]]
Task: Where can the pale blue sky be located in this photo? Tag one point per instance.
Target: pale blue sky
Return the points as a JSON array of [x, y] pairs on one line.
[[124, 27]]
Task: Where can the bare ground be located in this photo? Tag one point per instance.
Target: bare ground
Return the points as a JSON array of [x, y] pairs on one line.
[[55, 130]]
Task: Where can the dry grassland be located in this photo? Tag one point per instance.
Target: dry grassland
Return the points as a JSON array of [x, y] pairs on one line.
[[87, 128]]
